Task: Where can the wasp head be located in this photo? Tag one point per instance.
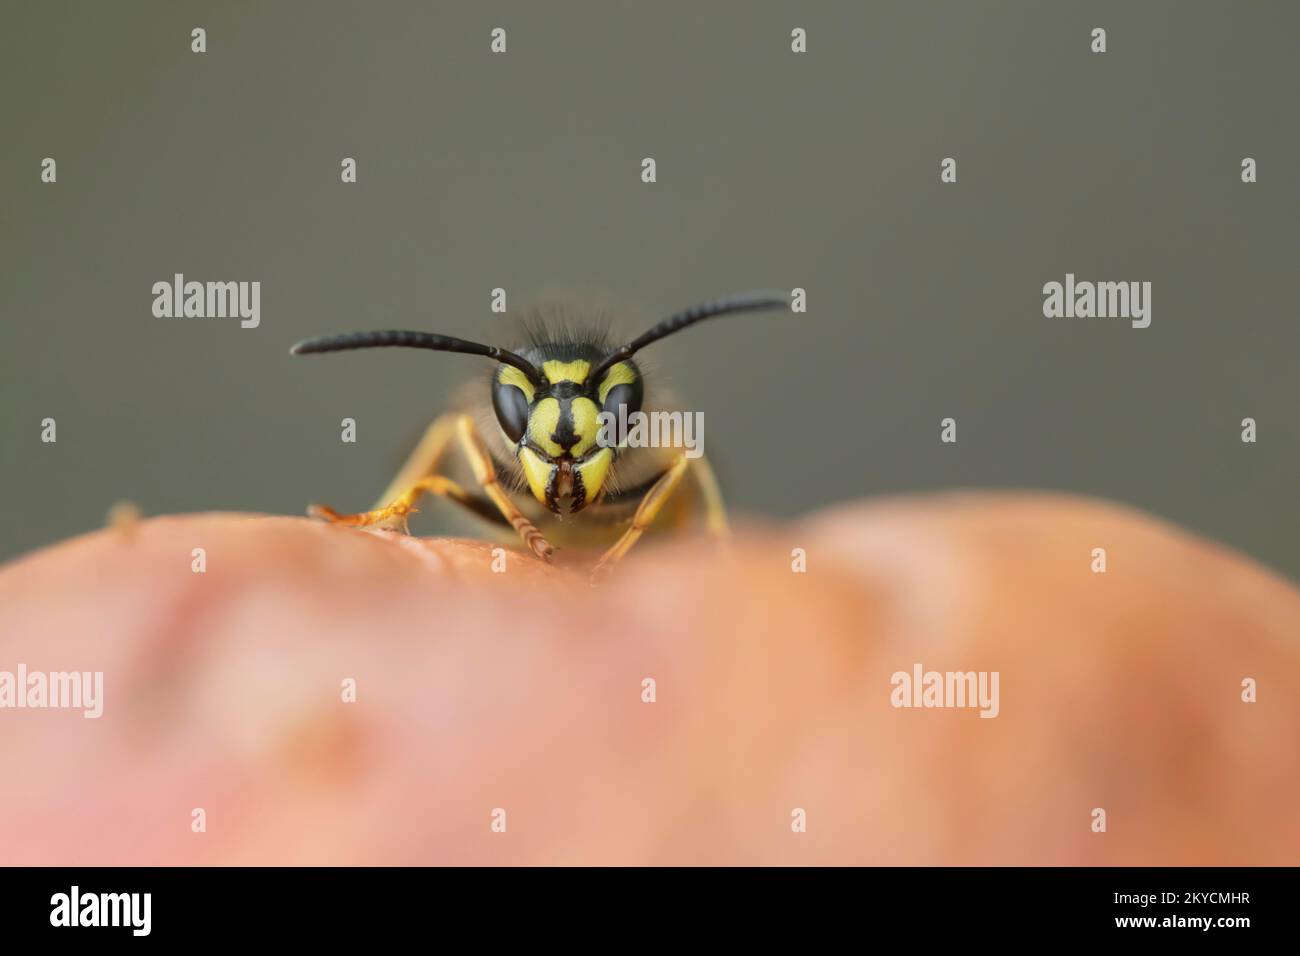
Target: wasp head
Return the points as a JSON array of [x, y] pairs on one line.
[[554, 421]]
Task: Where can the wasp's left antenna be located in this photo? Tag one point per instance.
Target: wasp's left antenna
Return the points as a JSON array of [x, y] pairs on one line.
[[397, 338]]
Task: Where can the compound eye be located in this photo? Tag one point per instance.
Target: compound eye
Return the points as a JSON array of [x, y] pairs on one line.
[[622, 402], [511, 406]]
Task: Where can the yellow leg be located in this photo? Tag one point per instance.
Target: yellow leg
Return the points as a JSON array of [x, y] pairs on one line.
[[715, 512], [646, 512], [398, 508], [481, 463], [420, 464], [403, 504]]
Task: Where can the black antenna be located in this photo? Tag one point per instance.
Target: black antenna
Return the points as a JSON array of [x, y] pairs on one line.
[[415, 340], [741, 302]]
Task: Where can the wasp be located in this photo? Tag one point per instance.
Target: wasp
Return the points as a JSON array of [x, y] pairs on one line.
[[538, 458]]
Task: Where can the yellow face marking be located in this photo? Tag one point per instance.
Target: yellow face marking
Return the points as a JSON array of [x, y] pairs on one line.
[[542, 423], [512, 376], [593, 472], [537, 471], [620, 374], [557, 371], [585, 425]]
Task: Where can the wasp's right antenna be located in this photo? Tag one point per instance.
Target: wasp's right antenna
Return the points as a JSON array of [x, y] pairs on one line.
[[742, 302]]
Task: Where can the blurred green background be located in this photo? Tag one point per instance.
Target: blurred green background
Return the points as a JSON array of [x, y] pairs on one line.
[[522, 170]]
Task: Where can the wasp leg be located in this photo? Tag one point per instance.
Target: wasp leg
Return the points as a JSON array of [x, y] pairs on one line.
[[715, 512], [480, 462], [419, 465], [402, 506], [646, 512], [389, 511]]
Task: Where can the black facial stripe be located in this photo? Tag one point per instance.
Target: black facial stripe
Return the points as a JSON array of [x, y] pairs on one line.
[[564, 435]]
